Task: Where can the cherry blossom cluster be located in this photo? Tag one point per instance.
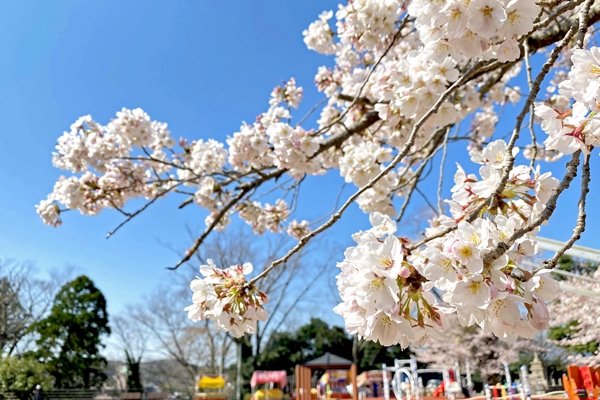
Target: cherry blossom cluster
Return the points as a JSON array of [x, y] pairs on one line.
[[360, 163], [109, 175], [405, 74], [581, 308], [319, 36], [492, 293], [487, 29], [383, 295], [264, 217], [389, 293], [523, 196], [298, 229], [576, 127], [293, 149], [225, 296], [133, 156], [289, 94]]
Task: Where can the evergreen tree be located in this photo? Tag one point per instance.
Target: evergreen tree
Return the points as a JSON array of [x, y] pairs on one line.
[[70, 338], [19, 376], [134, 378]]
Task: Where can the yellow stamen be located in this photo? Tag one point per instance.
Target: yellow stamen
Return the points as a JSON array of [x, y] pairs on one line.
[[474, 287], [386, 262], [486, 11], [465, 251]]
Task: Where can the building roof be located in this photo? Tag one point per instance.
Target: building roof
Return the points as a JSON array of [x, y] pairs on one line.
[[329, 360]]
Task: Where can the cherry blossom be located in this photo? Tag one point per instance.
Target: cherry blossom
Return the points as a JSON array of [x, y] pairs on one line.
[[407, 82], [225, 296]]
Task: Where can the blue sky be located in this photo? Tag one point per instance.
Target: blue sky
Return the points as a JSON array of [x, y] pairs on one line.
[[201, 66]]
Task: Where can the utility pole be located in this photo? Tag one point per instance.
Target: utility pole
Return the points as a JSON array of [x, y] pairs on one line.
[[238, 379]]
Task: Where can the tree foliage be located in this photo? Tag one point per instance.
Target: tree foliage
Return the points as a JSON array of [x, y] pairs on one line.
[[70, 337], [21, 375], [284, 350]]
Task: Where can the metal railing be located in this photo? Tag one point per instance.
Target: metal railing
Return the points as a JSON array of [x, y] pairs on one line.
[[85, 394]]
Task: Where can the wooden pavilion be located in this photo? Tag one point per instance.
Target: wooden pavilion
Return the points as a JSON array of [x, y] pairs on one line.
[[328, 361]]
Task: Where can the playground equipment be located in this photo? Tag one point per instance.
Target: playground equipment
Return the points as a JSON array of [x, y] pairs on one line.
[[582, 383], [211, 388], [333, 384], [401, 368], [327, 363], [371, 383], [406, 382], [268, 385]]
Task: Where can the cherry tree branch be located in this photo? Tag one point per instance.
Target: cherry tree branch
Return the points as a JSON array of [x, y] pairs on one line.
[[545, 214], [132, 215], [405, 149], [510, 158], [440, 207], [581, 215], [502, 247], [531, 107]]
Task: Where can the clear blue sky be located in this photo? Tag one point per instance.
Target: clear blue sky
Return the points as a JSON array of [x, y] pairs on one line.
[[201, 66]]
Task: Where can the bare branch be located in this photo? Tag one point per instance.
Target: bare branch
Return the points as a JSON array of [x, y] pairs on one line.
[[581, 215], [405, 149]]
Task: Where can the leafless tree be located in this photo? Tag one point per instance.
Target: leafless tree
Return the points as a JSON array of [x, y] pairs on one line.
[[238, 246], [24, 299], [199, 348]]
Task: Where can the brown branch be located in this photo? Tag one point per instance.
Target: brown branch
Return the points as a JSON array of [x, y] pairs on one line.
[[581, 215], [539, 41], [336, 140], [244, 189], [502, 247], [130, 216], [516, 130], [401, 154]]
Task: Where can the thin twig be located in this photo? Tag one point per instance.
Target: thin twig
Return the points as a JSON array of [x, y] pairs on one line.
[[405, 149], [545, 214], [415, 179], [510, 159], [132, 215], [440, 203], [246, 188], [581, 215], [531, 108]]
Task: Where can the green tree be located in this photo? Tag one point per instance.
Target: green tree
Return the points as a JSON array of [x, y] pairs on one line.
[[283, 351], [567, 331], [371, 355], [568, 334], [21, 375], [286, 349], [70, 338], [576, 266], [321, 338], [134, 378]]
